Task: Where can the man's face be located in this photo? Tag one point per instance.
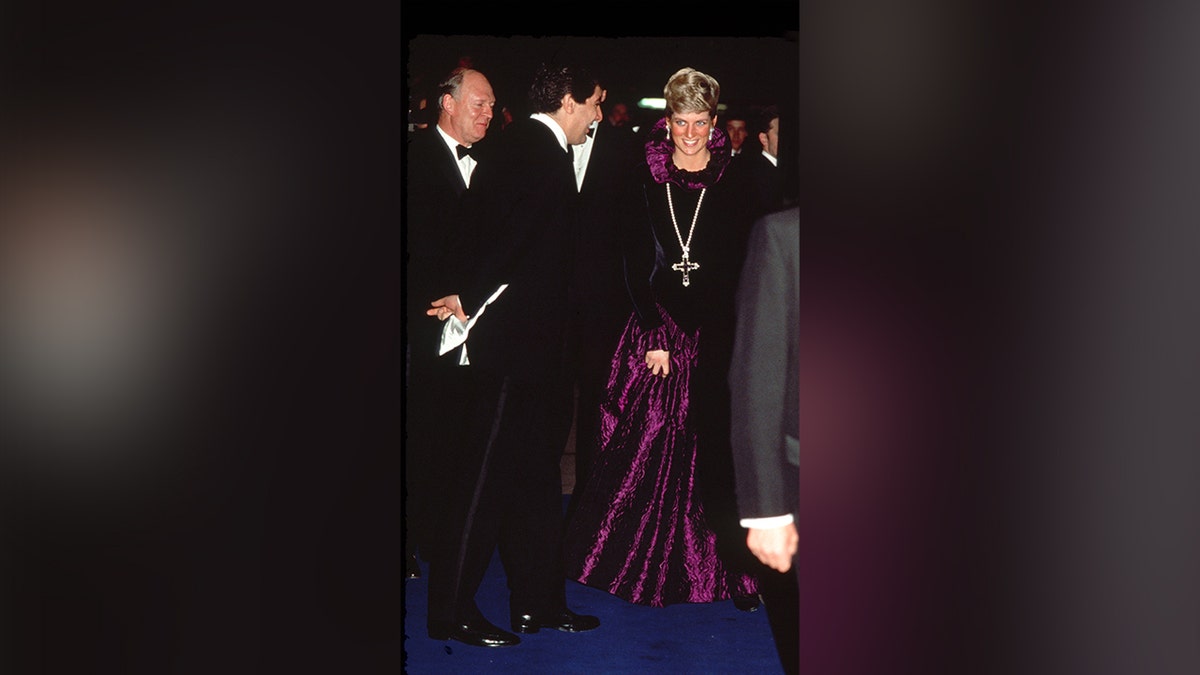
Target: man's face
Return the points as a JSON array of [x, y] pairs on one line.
[[770, 139], [578, 121], [471, 114], [619, 115], [737, 133]]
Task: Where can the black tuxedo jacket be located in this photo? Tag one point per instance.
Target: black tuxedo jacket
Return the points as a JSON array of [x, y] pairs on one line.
[[609, 200], [521, 213], [765, 179], [434, 230], [765, 374]]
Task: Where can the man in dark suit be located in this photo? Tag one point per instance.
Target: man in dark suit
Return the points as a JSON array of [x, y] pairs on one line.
[[522, 208], [765, 383], [606, 174], [441, 162], [737, 130], [760, 161]]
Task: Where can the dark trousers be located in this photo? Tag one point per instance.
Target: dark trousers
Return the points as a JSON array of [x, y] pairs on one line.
[[781, 598], [506, 493], [711, 417], [437, 393]]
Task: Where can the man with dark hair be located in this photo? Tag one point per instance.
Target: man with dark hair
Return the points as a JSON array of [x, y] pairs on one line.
[[762, 163], [514, 280], [736, 128]]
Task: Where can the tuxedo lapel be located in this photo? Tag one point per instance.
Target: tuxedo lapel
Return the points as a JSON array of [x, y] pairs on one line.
[[448, 164]]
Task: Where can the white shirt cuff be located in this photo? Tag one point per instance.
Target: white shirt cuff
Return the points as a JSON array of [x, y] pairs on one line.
[[768, 523]]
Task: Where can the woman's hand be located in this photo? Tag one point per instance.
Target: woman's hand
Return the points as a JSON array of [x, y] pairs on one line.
[[659, 362]]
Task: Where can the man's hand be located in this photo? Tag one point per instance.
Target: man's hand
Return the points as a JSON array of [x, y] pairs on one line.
[[442, 308], [659, 362], [774, 547]]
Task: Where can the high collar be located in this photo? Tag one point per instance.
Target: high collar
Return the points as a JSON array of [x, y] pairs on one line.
[[553, 125], [660, 147]]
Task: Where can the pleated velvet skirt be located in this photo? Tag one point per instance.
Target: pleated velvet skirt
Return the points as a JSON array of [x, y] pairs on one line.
[[639, 529]]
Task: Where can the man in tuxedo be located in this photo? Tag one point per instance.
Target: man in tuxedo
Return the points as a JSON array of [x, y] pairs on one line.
[[441, 162], [606, 174], [508, 491], [764, 379], [762, 163]]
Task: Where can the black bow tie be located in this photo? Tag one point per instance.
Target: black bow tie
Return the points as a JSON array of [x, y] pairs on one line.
[[463, 151]]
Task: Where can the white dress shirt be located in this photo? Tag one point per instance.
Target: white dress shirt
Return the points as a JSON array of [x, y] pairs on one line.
[[582, 152], [467, 164]]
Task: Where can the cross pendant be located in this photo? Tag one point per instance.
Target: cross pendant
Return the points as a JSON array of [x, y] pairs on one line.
[[685, 266]]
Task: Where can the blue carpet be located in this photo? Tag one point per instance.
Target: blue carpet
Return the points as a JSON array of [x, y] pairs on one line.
[[689, 639]]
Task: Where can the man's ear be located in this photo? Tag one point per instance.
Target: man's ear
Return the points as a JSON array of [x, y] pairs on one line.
[[762, 138], [448, 103], [568, 104]]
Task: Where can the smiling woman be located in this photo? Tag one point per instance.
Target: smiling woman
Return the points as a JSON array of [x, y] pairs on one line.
[[665, 428]]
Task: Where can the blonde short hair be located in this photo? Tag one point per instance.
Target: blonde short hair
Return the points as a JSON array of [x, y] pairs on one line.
[[691, 91]]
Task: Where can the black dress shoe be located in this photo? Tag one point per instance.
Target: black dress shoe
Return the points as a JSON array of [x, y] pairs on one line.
[[746, 603], [563, 619], [477, 633]]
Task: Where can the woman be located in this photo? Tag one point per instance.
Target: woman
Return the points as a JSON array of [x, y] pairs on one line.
[[644, 527]]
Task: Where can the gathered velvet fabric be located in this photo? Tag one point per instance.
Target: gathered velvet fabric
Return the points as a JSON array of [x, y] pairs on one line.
[[640, 531]]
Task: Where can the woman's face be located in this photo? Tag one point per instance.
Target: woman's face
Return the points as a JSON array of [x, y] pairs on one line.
[[689, 131]]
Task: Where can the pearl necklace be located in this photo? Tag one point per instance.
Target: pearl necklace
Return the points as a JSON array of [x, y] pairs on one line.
[[685, 265]]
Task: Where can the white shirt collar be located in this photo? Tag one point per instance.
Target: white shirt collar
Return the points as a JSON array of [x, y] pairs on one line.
[[450, 142], [558, 131], [770, 158], [466, 164]]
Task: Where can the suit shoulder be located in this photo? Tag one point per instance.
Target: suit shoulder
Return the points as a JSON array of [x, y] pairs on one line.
[[785, 219], [520, 131], [779, 226], [423, 144], [421, 138]]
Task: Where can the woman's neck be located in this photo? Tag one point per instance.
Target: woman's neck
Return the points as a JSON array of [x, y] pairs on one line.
[[695, 162]]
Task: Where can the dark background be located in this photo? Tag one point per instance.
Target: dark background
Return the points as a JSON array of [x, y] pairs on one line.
[[752, 69]]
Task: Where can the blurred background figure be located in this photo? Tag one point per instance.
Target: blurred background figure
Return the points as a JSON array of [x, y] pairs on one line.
[[618, 115], [736, 128], [506, 117]]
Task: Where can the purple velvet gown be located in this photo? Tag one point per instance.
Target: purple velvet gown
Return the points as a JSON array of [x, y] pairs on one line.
[[640, 530]]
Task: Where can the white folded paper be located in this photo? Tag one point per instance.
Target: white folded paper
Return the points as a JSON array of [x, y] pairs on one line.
[[454, 332]]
